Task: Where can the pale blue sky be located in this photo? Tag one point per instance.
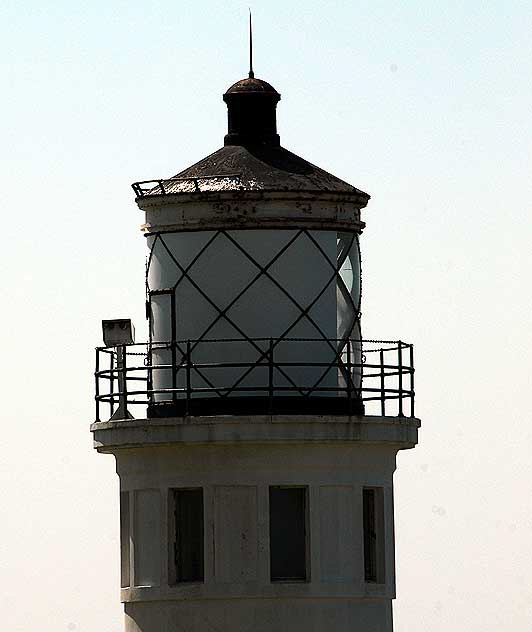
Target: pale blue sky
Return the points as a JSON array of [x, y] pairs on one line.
[[426, 106]]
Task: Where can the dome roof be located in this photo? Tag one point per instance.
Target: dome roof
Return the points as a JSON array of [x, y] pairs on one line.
[[251, 84]]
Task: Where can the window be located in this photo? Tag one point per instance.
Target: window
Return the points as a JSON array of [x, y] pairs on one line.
[[373, 523], [288, 541], [188, 535]]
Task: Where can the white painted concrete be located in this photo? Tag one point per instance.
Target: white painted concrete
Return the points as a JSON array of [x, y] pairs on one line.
[[235, 460], [397, 432], [253, 209], [262, 615]]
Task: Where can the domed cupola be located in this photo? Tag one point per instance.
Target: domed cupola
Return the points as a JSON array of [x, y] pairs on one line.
[[251, 111]]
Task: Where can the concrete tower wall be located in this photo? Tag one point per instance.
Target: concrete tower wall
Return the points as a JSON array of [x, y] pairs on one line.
[[237, 592]]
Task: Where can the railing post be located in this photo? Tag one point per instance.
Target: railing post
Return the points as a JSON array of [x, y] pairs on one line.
[[412, 394], [400, 370], [383, 393], [188, 364], [149, 380], [97, 385], [270, 377], [121, 366], [112, 385], [122, 379], [174, 371], [349, 372]]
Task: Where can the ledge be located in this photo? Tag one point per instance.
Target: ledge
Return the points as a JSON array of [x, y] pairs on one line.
[[255, 591], [400, 432], [252, 209]]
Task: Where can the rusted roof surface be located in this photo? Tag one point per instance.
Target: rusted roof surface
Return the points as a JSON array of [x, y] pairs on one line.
[[266, 168], [251, 84]]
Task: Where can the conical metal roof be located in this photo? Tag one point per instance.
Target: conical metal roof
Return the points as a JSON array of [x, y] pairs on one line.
[[259, 168]]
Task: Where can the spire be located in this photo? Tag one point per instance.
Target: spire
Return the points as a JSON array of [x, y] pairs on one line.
[[251, 73]]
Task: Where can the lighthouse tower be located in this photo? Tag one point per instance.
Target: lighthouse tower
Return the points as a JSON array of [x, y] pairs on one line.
[[255, 432]]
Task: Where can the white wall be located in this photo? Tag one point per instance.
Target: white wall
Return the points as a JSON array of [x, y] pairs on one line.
[[237, 593]]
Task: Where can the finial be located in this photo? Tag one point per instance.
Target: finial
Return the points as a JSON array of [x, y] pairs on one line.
[[251, 73]]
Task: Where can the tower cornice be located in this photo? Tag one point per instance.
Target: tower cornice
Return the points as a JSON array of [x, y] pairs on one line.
[[399, 432], [253, 209]]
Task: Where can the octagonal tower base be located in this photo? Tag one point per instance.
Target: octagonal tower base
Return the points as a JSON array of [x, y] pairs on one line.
[[235, 462]]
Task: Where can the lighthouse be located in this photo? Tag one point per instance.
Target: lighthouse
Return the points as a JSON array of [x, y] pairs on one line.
[[256, 430]]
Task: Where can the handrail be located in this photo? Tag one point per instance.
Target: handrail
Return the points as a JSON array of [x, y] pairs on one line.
[[141, 190], [178, 379]]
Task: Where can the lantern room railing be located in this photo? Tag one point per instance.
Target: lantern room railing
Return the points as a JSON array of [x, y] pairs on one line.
[[189, 184], [170, 379]]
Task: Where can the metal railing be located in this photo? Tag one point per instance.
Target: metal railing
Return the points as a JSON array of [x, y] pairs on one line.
[[274, 376], [172, 185]]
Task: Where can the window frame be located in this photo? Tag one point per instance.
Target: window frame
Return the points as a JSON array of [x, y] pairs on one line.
[[373, 535], [174, 575], [306, 536]]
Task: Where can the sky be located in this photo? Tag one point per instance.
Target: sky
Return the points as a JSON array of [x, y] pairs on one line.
[[424, 105]]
